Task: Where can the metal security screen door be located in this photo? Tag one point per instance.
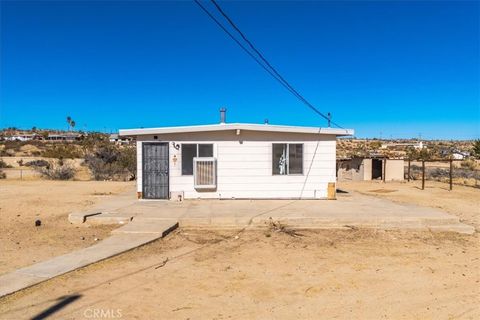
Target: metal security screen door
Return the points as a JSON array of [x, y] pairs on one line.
[[155, 170]]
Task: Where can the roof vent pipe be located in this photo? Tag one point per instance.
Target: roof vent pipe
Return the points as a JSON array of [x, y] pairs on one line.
[[223, 115]]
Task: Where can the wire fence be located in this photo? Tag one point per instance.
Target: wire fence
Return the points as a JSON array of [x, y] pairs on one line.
[[453, 172]]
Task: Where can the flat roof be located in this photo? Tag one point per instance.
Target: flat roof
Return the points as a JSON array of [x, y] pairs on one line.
[[236, 126]]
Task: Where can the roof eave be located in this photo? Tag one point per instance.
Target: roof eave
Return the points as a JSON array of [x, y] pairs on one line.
[[247, 127]]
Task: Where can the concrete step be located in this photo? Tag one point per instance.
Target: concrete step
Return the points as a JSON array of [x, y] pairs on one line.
[[109, 218], [148, 226], [459, 228], [81, 217]]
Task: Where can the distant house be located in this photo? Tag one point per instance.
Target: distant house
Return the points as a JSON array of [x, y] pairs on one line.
[[21, 137], [236, 160], [455, 154], [67, 136], [117, 139], [460, 155], [403, 145]]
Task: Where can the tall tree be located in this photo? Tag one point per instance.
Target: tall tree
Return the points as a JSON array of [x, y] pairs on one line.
[[69, 121]]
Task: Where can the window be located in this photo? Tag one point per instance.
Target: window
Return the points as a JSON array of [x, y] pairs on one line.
[[287, 158], [205, 150], [190, 151]]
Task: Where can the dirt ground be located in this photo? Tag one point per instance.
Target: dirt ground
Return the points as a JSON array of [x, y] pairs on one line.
[[23, 202], [462, 201], [354, 274], [271, 275]]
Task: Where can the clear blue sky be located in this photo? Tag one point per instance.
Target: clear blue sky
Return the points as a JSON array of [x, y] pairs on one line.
[[398, 69]]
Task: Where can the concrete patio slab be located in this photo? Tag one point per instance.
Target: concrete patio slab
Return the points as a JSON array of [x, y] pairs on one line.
[[352, 209]]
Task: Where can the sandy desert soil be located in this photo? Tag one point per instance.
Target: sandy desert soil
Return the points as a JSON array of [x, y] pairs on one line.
[[23, 202], [462, 201], [355, 274]]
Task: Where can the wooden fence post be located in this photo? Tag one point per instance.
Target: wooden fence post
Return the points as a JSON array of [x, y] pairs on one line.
[[384, 169], [423, 174], [408, 172], [451, 174]]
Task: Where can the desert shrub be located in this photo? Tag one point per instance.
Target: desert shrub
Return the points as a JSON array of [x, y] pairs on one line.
[[62, 151], [3, 164], [3, 175], [57, 170], [8, 152], [37, 163], [128, 160], [468, 164], [109, 162], [14, 145], [476, 148]]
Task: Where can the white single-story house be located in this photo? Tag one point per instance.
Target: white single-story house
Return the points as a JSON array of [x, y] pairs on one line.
[[236, 161]]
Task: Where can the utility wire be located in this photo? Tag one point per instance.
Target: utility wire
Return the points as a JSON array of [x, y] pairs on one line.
[[271, 69], [265, 60], [244, 48]]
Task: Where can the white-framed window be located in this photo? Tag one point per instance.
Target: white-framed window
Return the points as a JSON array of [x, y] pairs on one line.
[[287, 158], [194, 150]]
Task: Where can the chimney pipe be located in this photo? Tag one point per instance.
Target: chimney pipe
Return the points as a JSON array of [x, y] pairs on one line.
[[223, 114]]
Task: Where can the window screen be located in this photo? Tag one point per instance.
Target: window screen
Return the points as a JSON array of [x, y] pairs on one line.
[[189, 151]]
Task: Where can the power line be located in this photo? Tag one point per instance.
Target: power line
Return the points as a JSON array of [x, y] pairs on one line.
[[265, 60], [243, 47], [271, 69]]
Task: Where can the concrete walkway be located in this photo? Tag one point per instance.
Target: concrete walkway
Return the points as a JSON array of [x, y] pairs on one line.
[[121, 241]]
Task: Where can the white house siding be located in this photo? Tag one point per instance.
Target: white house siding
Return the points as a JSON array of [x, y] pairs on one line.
[[244, 164]]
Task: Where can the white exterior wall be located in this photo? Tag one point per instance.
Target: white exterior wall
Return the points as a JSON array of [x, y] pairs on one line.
[[244, 165], [395, 170]]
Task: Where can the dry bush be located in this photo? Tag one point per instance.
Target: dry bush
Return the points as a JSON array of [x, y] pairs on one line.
[[57, 170], [468, 164], [110, 162], [3, 164], [3, 175], [37, 163], [62, 151]]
